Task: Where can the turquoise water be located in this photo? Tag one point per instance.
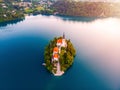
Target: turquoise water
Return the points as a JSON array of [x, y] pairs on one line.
[[22, 47]]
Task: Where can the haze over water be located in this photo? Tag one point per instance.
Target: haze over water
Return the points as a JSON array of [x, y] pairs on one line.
[[97, 41]]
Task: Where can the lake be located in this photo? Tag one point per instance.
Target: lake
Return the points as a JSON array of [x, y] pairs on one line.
[[96, 65]]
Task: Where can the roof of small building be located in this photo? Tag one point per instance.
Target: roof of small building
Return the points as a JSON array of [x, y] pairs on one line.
[[56, 49], [55, 56], [59, 41]]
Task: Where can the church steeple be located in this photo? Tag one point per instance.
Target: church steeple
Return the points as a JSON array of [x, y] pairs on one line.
[[63, 35]]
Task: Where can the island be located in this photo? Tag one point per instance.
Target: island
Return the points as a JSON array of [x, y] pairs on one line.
[[59, 55]]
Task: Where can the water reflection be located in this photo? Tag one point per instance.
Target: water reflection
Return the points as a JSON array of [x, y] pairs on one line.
[[75, 18], [3, 24], [96, 40], [78, 19], [99, 41]]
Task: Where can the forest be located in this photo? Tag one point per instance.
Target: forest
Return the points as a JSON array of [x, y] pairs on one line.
[[9, 12], [87, 9]]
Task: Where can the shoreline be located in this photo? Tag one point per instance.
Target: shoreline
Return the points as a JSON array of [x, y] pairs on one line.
[[59, 15], [14, 19], [58, 74], [5, 23]]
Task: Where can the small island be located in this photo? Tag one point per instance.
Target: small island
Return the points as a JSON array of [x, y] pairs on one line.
[[59, 55]]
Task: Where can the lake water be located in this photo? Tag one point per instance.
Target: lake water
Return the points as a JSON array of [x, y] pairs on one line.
[[96, 65]]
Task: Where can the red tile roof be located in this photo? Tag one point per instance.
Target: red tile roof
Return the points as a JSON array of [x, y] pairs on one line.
[[56, 49], [59, 41], [55, 56]]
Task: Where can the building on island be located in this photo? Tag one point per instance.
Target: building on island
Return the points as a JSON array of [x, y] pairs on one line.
[[55, 57], [59, 42], [55, 50], [62, 42], [55, 54]]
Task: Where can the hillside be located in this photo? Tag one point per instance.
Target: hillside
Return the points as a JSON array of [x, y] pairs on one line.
[[8, 11], [88, 9], [13, 9]]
